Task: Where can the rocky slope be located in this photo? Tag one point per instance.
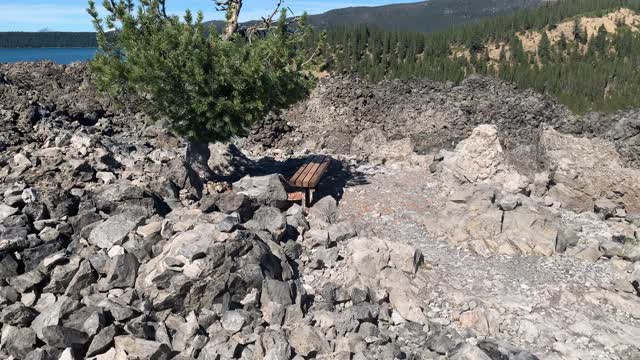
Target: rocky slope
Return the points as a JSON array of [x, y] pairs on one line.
[[534, 261], [437, 115], [111, 246]]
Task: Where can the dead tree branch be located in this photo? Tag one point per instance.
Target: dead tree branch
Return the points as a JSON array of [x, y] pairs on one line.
[[163, 8]]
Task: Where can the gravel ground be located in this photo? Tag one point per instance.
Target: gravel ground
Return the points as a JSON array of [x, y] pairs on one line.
[[559, 307]]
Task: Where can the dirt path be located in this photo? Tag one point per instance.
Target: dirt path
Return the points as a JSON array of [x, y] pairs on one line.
[[559, 307]]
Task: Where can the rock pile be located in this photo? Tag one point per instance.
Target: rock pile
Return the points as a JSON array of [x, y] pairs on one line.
[[343, 111], [589, 170], [494, 209], [112, 246]]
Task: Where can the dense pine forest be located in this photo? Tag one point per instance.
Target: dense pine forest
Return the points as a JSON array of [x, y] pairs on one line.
[[423, 16], [584, 69], [47, 39]]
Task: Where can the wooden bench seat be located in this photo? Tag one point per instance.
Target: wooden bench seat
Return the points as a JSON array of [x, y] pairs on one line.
[[307, 178]]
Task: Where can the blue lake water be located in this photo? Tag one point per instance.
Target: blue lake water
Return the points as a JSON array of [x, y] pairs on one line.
[[59, 55]]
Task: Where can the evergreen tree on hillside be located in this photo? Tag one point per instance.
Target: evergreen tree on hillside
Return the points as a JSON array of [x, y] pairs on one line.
[[579, 33], [517, 50], [544, 48], [599, 41], [562, 43], [475, 43]]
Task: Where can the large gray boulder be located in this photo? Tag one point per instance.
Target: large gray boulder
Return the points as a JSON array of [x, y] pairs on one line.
[[17, 314], [8, 266], [114, 230], [130, 347], [6, 211], [122, 271], [324, 212], [308, 341], [589, 170], [276, 291], [270, 219], [273, 345], [52, 315], [62, 337], [228, 203], [482, 226], [479, 159], [18, 342], [226, 159], [266, 190], [102, 341], [84, 277]]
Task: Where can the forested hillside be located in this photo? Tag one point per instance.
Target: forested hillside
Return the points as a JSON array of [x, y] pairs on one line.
[[424, 16], [47, 39], [585, 52]]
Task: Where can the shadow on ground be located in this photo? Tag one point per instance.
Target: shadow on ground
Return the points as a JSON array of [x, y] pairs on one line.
[[338, 177]]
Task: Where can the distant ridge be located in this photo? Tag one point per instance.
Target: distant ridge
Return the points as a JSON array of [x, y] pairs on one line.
[[47, 39], [423, 16]]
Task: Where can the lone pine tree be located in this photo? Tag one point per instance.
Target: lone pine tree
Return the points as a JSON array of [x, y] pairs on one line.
[[206, 86]]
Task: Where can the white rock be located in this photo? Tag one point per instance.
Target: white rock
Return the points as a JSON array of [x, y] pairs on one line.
[[80, 142], [115, 251], [405, 257], [21, 161], [150, 230], [29, 195], [397, 318], [29, 299], [134, 348], [106, 177], [67, 354], [588, 169], [480, 159], [233, 321]]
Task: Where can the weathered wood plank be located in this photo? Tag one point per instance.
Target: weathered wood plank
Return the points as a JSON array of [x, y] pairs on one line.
[[319, 172], [312, 172], [305, 171], [301, 170]]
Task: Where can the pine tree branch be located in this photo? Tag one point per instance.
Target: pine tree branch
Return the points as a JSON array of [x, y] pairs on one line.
[[315, 52]]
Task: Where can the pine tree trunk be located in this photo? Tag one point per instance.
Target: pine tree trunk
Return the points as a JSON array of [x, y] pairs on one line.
[[233, 15], [197, 154], [197, 157]]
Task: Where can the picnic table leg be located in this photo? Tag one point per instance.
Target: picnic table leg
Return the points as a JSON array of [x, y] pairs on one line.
[[308, 197]]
